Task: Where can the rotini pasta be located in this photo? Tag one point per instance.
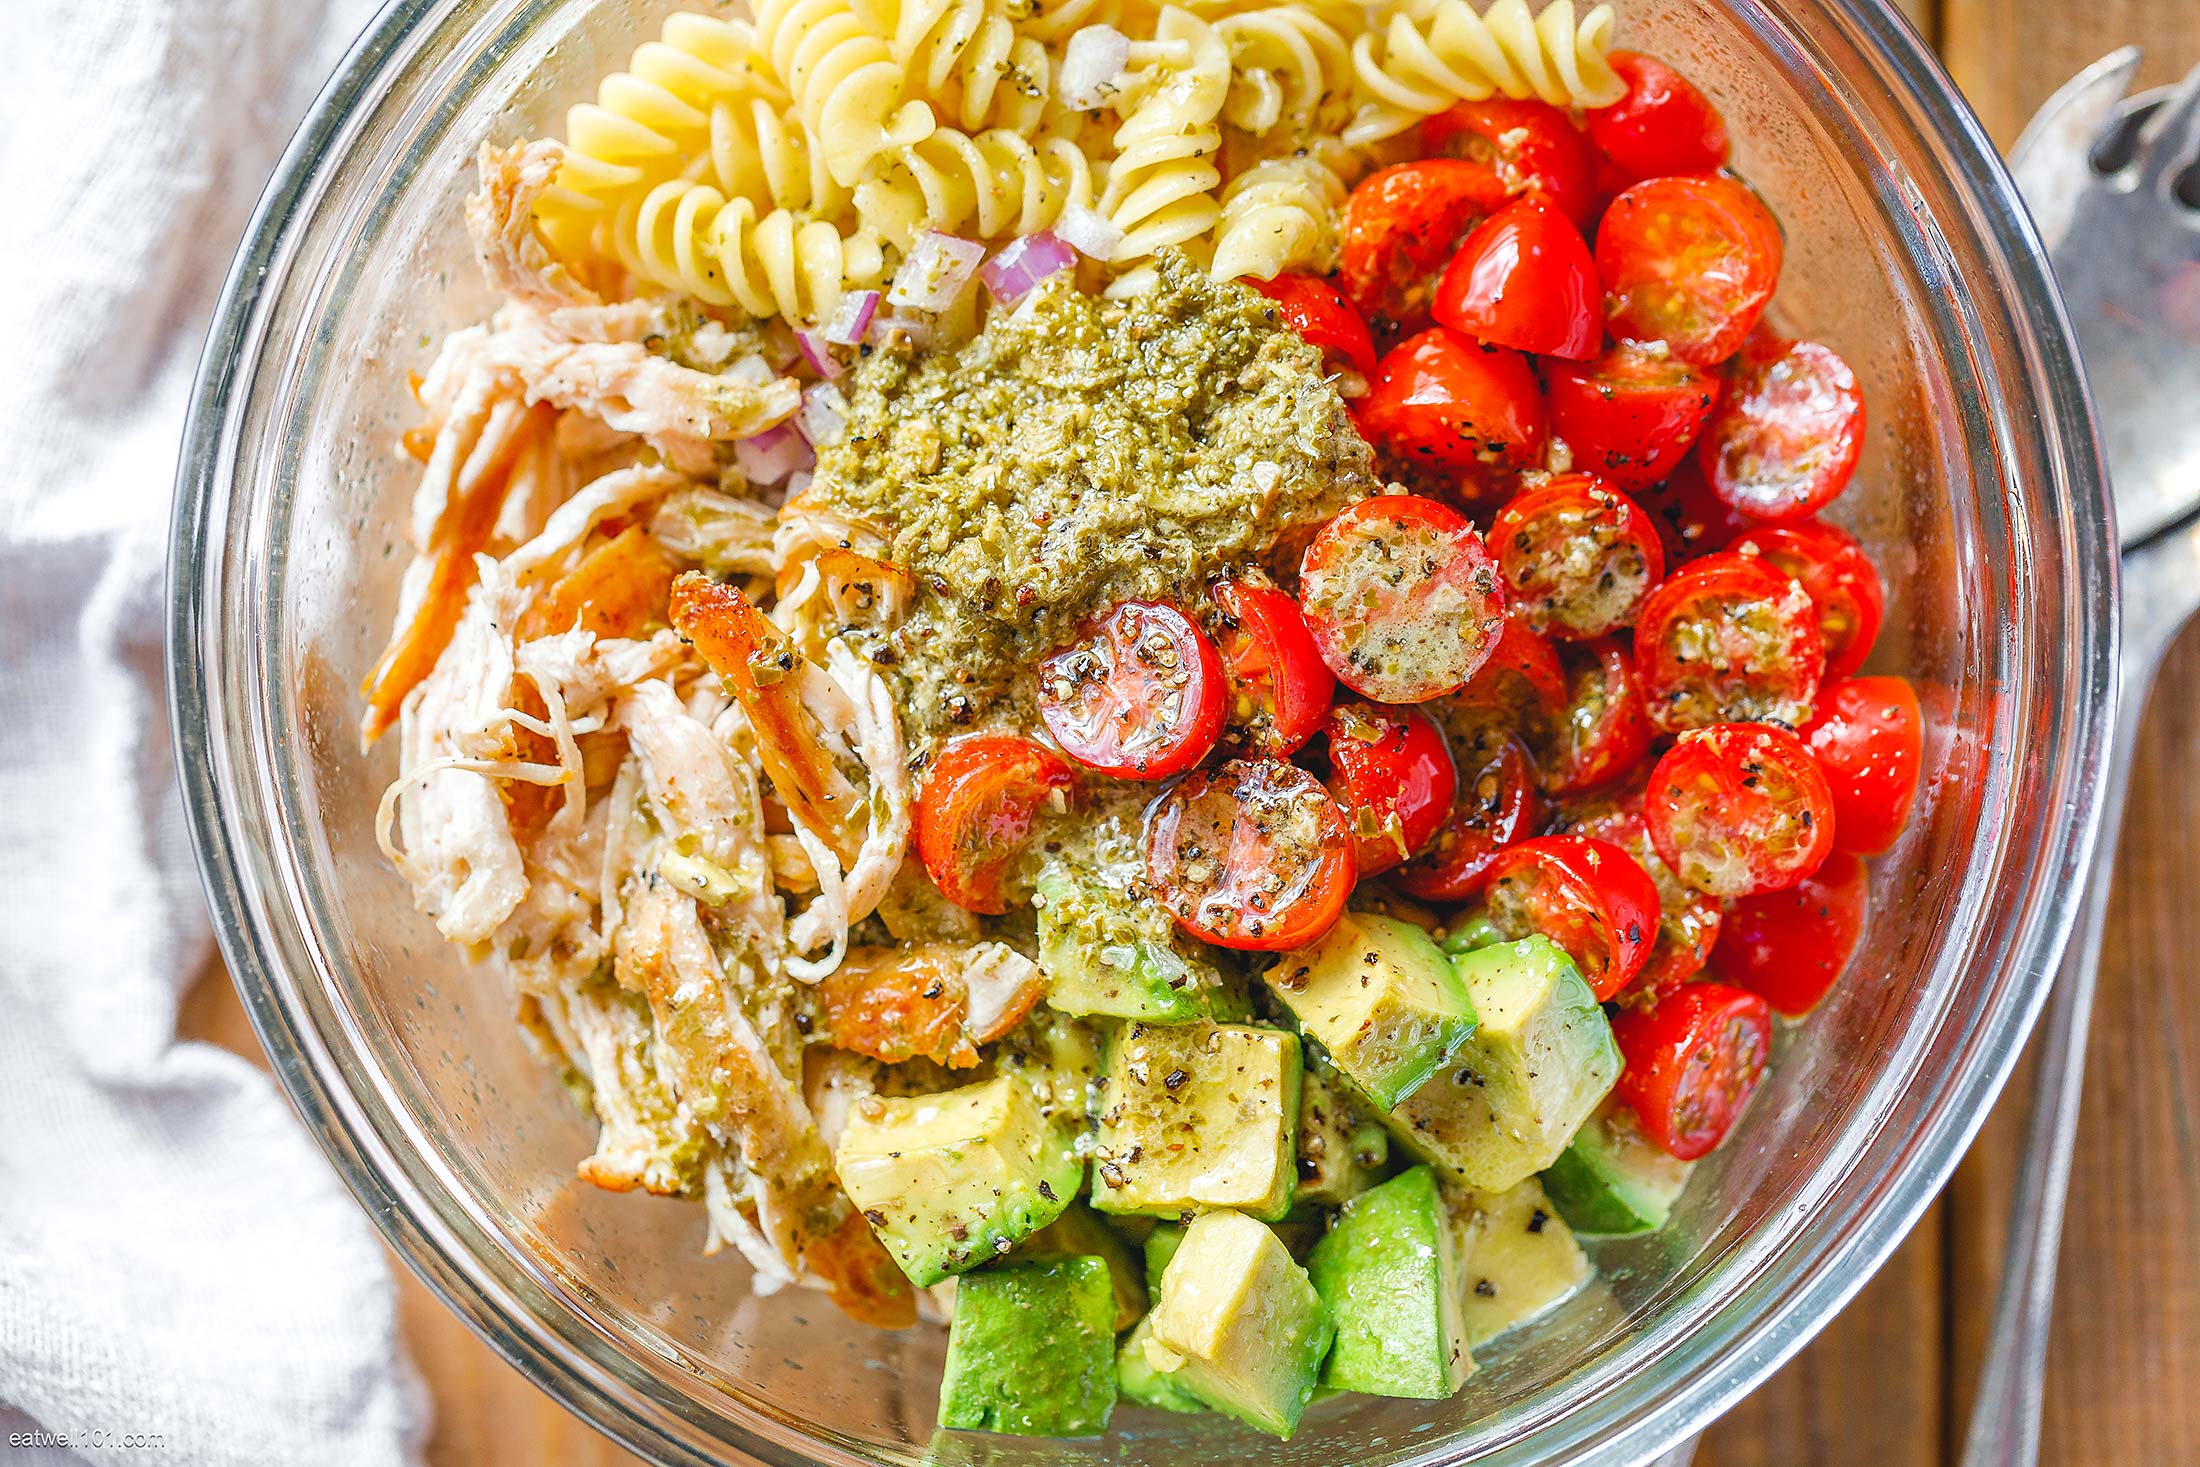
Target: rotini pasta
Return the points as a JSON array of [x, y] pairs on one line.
[[1288, 66], [1278, 215], [990, 184], [851, 93], [764, 154], [965, 57], [687, 236], [1162, 182], [1441, 51]]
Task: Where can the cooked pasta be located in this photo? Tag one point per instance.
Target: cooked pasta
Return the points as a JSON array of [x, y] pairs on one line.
[[1278, 215], [688, 236], [991, 184], [965, 57], [1438, 52], [1161, 185], [1288, 67], [852, 94], [763, 153]]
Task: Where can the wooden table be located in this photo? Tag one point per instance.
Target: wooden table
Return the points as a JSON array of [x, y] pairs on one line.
[[1888, 1384]]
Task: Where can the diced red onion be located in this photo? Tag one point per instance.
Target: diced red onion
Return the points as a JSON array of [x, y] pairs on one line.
[[1023, 263], [1092, 65], [780, 347], [773, 454], [915, 330], [819, 354], [851, 318], [1094, 235], [824, 416], [938, 267]]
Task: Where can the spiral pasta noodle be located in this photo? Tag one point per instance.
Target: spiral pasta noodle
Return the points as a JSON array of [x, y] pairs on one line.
[[1444, 52], [687, 236], [850, 91], [1278, 215], [764, 154], [988, 184], [1288, 67], [966, 57], [1162, 182]]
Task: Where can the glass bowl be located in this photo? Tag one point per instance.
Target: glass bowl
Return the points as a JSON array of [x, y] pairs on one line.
[[1981, 495]]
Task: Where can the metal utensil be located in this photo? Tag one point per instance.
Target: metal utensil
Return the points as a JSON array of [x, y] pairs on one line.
[[2115, 188]]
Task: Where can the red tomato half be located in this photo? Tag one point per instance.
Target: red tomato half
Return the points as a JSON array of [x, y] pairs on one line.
[[1140, 696], [1402, 598], [1786, 438], [1279, 686], [1790, 946], [1399, 227], [1525, 279], [1588, 896], [1692, 1063], [1740, 808], [1606, 731], [1442, 402], [1869, 737], [1629, 416], [1728, 639], [1841, 580], [1313, 308], [1663, 125], [1254, 854], [1688, 921], [1691, 520], [1691, 262], [980, 800], [1531, 146], [1494, 806], [1577, 556], [1522, 684], [1393, 778]]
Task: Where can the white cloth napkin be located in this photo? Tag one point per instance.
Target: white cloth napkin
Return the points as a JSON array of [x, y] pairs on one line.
[[176, 1261]]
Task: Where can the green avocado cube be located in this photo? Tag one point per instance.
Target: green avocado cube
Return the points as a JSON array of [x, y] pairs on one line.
[[1382, 1000], [1342, 1149], [953, 1180], [1238, 1325], [1521, 1261], [1107, 956], [1161, 1246], [1137, 1381], [1392, 1271], [1537, 1065], [1198, 1116], [1613, 1181], [1079, 1233], [1032, 1350], [1469, 931]]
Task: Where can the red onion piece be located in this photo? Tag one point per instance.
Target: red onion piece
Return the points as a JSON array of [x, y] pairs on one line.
[[1094, 235], [851, 318], [824, 415], [1092, 67], [819, 354], [1023, 263], [938, 267], [772, 454]]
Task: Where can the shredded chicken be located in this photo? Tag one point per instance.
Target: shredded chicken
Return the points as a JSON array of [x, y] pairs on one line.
[[500, 217]]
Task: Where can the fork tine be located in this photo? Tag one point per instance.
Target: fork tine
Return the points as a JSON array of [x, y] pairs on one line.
[[2172, 137]]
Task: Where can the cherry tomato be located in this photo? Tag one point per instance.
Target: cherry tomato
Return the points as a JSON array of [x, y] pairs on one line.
[[1525, 279], [1532, 147], [1522, 684], [1399, 227], [1691, 521], [1393, 778], [1494, 806], [1786, 438], [1279, 686], [1869, 737], [1841, 580], [976, 810], [1141, 695], [1605, 732], [1402, 598], [1739, 808], [1254, 854], [1692, 1063], [1728, 639], [1588, 896], [1663, 125], [1577, 556], [1690, 262], [1313, 308], [1630, 416], [1789, 947], [1688, 921], [1440, 401]]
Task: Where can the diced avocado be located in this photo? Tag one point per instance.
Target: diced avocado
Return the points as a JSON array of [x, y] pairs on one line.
[[951, 1181], [1238, 1324], [1515, 1093], [1032, 1350], [1137, 1380], [1613, 1180], [1109, 956], [1391, 1271], [1079, 1233], [1058, 1059], [1469, 931], [1520, 1259], [1383, 1001], [1342, 1149], [1161, 1246], [1301, 1230], [1198, 1116]]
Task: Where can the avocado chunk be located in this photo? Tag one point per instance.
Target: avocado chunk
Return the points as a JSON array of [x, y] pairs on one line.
[[1032, 1350], [953, 1180], [1108, 956], [1469, 931], [1342, 1149], [1535, 1068], [1614, 1181], [1136, 1380], [1079, 1233], [1521, 1261], [1238, 1324], [1198, 1116], [1383, 1001], [1393, 1274], [1161, 1246]]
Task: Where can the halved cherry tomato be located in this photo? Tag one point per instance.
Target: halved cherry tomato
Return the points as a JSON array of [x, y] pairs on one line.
[[1690, 262], [1314, 309], [1740, 808], [1606, 730], [1790, 946], [1869, 737], [1728, 639], [1280, 688], [1688, 921], [1691, 520], [979, 803], [1532, 147], [1254, 854], [1525, 279], [1629, 416], [1841, 580], [1578, 557], [1663, 125], [1522, 684], [1786, 438], [1588, 896], [1692, 1063], [1140, 695], [1392, 777], [1440, 401], [1399, 227], [1495, 805], [1402, 598]]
